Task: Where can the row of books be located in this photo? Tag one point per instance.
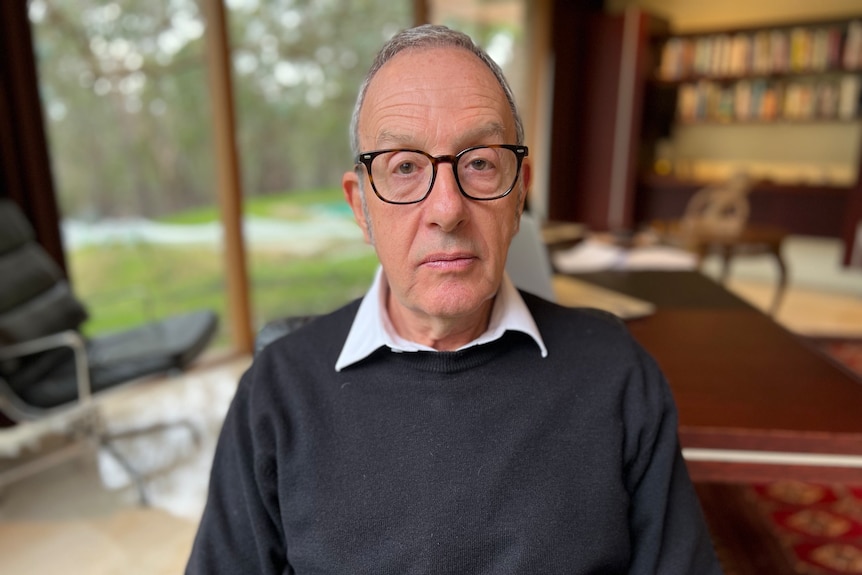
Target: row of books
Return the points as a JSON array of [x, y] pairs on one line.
[[762, 100], [763, 52]]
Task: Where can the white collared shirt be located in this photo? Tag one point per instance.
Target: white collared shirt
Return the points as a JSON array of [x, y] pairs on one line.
[[373, 329]]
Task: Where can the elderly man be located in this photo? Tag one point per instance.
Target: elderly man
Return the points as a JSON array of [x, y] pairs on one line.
[[446, 422]]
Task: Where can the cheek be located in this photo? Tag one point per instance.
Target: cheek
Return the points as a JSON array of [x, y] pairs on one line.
[[505, 228], [393, 237]]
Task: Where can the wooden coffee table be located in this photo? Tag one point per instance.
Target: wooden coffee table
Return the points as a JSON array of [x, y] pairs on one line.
[[756, 403]]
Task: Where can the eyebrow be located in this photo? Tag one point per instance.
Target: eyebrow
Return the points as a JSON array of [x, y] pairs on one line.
[[472, 137]]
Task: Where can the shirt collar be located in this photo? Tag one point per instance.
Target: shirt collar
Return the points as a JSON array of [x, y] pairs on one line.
[[372, 328]]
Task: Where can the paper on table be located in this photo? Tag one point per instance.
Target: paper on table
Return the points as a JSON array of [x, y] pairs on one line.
[[589, 256], [578, 293], [592, 256], [660, 258]]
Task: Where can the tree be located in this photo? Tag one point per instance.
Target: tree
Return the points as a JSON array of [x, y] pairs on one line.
[[125, 92]]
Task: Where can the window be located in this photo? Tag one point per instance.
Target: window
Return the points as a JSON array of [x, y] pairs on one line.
[[297, 70], [125, 93]]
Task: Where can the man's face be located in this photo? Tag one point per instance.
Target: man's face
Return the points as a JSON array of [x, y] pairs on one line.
[[444, 257]]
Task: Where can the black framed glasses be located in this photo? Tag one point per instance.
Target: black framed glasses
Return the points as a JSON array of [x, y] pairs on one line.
[[403, 176]]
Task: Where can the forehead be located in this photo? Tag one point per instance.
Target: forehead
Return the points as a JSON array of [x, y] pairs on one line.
[[433, 92]]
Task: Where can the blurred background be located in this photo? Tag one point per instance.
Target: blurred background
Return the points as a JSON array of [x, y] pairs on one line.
[[126, 92], [184, 154]]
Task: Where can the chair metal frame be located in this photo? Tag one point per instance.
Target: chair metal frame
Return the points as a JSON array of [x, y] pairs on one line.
[[85, 429], [42, 314]]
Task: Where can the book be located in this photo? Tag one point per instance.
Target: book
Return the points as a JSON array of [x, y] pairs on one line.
[[852, 57], [848, 99]]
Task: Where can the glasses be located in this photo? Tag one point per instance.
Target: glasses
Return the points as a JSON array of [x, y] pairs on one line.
[[407, 176]]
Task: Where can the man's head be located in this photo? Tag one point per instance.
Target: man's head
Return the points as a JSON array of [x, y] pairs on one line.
[[430, 36], [432, 90]]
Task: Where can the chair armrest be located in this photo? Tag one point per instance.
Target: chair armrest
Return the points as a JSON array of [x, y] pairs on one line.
[[69, 338]]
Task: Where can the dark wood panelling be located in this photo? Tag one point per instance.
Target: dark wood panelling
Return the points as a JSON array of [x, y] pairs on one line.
[[570, 30], [589, 51], [25, 168]]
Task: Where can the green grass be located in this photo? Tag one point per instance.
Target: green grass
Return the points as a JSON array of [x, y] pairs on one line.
[[282, 205], [124, 285]]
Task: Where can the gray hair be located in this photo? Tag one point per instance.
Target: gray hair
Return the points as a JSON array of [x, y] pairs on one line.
[[430, 36]]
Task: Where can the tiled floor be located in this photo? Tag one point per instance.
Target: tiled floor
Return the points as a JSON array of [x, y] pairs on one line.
[[82, 517]]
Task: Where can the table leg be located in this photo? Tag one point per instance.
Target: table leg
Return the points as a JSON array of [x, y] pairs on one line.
[[782, 280], [726, 256]]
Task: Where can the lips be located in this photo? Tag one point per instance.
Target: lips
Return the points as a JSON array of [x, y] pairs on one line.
[[449, 261]]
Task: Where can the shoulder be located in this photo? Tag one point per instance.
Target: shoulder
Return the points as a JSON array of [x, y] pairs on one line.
[[320, 332], [553, 319], [301, 347], [592, 341], [296, 359]]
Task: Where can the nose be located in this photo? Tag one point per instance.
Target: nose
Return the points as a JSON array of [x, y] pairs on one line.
[[446, 206]]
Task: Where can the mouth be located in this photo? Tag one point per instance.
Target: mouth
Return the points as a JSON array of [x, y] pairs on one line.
[[456, 261]]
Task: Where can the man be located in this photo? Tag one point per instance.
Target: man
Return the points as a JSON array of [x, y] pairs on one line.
[[447, 423]]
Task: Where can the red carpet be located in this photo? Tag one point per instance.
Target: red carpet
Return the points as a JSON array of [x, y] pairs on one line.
[[789, 527], [785, 528], [847, 351]]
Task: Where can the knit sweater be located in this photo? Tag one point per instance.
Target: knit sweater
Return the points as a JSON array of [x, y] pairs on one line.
[[488, 460]]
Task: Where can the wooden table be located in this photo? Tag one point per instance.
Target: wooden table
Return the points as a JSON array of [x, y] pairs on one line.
[[756, 403]]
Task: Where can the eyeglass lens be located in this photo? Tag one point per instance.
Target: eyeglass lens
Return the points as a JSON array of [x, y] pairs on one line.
[[406, 176]]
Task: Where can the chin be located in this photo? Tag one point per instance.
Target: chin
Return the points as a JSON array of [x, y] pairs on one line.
[[453, 301]]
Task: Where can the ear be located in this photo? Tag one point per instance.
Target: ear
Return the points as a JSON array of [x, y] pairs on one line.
[[526, 178], [353, 195]]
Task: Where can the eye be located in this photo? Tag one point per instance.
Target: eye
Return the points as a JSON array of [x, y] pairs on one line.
[[404, 163], [480, 160], [479, 164], [406, 168]]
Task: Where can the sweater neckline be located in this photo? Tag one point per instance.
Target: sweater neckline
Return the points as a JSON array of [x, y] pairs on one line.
[[461, 360]]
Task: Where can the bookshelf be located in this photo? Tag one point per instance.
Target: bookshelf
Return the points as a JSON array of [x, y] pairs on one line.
[[781, 102], [810, 72], [625, 149]]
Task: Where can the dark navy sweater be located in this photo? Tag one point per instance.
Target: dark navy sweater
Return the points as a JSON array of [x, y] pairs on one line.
[[489, 460]]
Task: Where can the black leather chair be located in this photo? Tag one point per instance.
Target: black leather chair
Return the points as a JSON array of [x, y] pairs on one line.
[[274, 329], [48, 369]]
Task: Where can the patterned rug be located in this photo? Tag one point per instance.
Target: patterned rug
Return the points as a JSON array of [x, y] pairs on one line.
[[846, 351], [790, 527], [785, 528]]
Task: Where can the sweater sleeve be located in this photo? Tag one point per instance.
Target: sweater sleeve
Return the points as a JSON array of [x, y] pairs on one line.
[[668, 530], [240, 531]]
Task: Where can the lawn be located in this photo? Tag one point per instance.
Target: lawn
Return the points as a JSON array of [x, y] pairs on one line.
[[127, 283]]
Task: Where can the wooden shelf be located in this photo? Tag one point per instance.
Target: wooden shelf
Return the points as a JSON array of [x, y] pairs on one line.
[[730, 79], [786, 49], [671, 183], [775, 122], [817, 210]]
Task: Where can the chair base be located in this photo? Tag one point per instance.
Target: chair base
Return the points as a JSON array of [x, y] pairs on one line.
[[85, 436], [136, 476]]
